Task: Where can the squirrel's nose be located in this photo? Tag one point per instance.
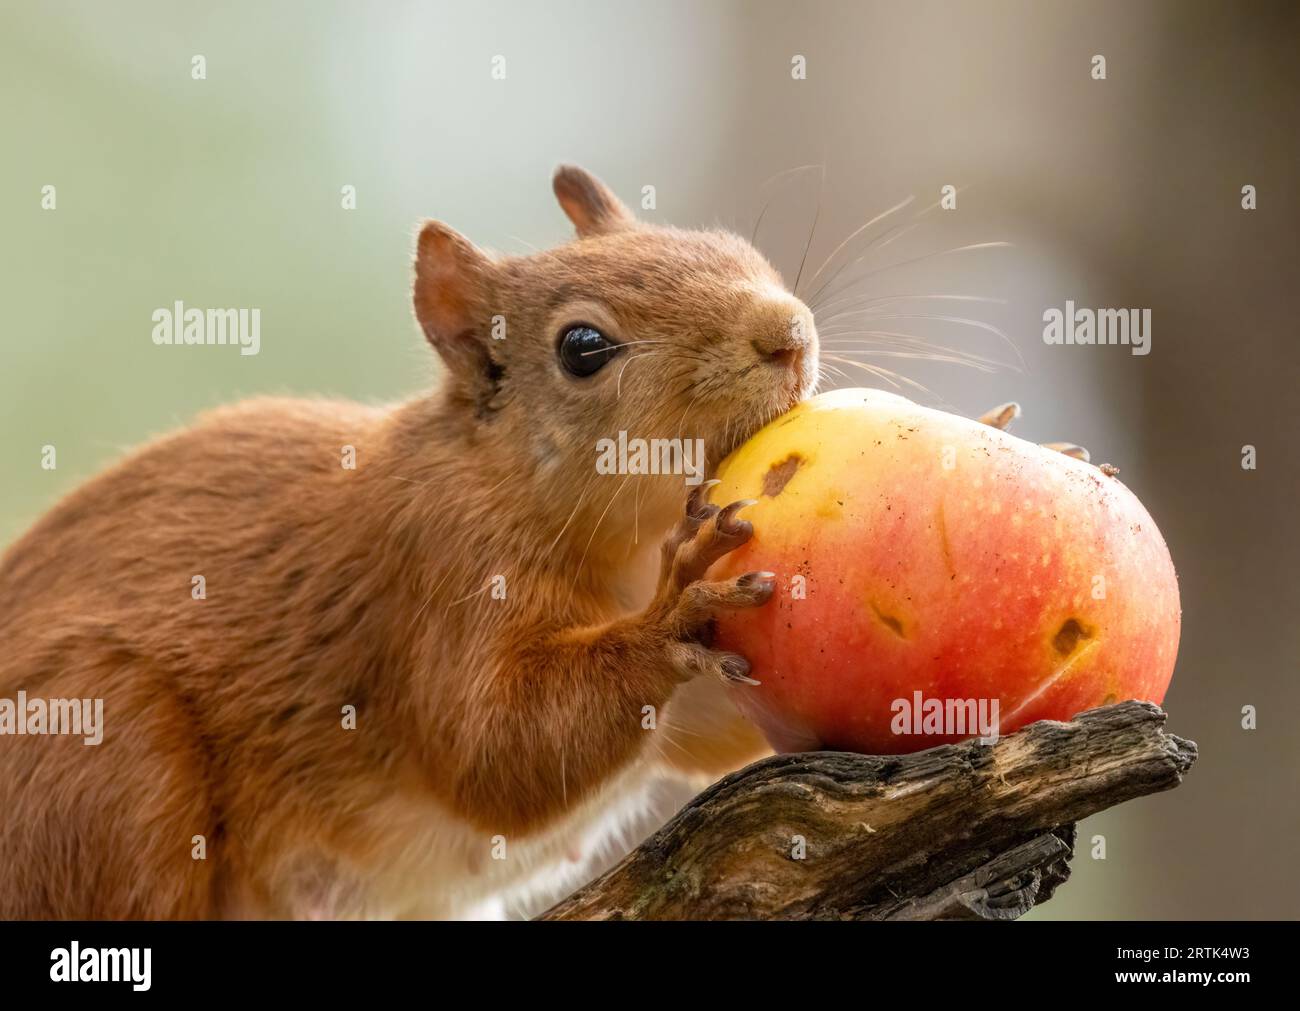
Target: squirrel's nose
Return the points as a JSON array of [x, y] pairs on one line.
[[786, 337], [780, 355]]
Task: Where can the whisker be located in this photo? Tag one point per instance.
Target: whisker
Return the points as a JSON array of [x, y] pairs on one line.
[[924, 357], [681, 422], [572, 514], [583, 560], [625, 344], [854, 234], [618, 388], [962, 320], [926, 256], [888, 375], [868, 300], [834, 369], [605, 351], [899, 337], [889, 343], [753, 238], [878, 243], [811, 232]]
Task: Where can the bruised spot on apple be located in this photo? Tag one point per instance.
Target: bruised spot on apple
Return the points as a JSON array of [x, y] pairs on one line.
[[938, 556], [889, 621], [779, 474], [1068, 635]]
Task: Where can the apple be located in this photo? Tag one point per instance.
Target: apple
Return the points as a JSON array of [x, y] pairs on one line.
[[937, 579]]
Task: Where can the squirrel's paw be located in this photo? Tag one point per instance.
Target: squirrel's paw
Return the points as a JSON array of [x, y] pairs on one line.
[[686, 603]]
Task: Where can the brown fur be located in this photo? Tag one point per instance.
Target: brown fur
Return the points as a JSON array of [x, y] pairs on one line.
[[328, 587]]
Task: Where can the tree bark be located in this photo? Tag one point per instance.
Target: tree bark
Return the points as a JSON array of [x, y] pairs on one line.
[[964, 831]]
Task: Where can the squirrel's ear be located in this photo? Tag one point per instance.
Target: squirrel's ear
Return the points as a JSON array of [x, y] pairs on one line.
[[588, 202], [451, 292]]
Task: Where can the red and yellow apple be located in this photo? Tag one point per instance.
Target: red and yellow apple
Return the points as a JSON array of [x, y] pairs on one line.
[[923, 559]]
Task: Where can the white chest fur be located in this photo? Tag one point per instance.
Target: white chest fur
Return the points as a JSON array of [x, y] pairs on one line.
[[431, 864]]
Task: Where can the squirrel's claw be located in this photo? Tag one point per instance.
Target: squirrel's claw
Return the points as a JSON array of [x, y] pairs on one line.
[[693, 660], [1069, 449], [704, 535], [1001, 416]]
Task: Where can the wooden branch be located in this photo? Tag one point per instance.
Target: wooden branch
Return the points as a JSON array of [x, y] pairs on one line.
[[965, 831]]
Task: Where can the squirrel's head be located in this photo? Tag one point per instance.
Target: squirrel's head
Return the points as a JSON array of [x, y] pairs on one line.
[[630, 332]]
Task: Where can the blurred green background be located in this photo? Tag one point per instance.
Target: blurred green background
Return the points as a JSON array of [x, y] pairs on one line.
[[1124, 192]]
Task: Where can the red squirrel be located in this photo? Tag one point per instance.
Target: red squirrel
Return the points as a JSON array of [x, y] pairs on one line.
[[349, 719]]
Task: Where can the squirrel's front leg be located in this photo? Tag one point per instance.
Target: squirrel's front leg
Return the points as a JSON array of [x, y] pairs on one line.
[[566, 705]]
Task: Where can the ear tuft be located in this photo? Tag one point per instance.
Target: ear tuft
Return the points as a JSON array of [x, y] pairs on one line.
[[589, 203]]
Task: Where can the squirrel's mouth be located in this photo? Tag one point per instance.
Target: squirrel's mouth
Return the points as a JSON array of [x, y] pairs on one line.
[[737, 434], [763, 398]]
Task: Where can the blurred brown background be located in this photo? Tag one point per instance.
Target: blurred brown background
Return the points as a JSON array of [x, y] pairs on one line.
[[1117, 193]]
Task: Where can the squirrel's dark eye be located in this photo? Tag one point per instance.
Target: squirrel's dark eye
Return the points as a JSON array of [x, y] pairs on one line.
[[584, 350]]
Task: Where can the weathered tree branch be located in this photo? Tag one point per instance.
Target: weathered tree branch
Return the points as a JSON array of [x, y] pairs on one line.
[[966, 831]]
